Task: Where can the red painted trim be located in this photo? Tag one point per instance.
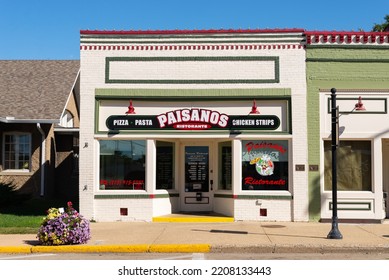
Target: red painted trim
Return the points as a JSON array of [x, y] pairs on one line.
[[152, 196], [318, 37], [191, 47], [177, 32], [344, 33]]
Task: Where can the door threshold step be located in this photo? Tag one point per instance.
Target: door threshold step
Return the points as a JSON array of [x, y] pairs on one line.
[[193, 218]]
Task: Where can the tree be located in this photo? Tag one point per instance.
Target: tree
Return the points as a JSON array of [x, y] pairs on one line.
[[382, 27]]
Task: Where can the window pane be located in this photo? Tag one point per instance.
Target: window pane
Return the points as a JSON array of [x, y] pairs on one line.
[[265, 165], [225, 166], [122, 164], [165, 165], [17, 151], [353, 163]]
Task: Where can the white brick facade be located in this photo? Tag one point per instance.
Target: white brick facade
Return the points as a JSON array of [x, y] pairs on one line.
[[269, 66]]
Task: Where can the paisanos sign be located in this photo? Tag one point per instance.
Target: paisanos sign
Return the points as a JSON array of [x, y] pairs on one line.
[[193, 119]]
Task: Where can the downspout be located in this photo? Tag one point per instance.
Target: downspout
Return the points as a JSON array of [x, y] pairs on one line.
[[43, 158]]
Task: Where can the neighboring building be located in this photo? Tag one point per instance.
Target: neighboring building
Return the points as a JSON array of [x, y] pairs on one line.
[[39, 125], [357, 65], [183, 121]]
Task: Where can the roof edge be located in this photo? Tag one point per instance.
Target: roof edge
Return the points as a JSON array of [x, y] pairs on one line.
[[191, 32], [13, 120]]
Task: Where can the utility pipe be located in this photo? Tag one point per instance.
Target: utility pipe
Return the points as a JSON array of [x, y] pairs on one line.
[[43, 158]]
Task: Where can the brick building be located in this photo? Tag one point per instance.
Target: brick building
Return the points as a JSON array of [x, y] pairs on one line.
[[39, 125], [191, 121]]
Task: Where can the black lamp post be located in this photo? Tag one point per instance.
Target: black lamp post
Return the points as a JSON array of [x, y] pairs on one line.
[[334, 233]]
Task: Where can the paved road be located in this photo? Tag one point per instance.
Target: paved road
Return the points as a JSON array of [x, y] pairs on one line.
[[198, 256]]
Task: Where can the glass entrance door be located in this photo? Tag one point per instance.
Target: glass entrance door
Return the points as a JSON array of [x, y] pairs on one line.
[[197, 186]]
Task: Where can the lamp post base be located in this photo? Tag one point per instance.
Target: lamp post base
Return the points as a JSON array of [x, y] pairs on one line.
[[334, 233]]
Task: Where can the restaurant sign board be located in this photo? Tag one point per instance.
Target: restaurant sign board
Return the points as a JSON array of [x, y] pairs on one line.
[[193, 119]]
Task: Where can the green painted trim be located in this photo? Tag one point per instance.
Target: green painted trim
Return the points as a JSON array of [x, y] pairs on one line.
[[330, 205], [271, 197], [348, 47], [367, 112], [215, 38], [193, 94], [135, 196], [347, 60], [249, 197], [275, 59]]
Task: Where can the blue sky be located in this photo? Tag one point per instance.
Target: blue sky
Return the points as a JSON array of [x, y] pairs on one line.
[[50, 29]]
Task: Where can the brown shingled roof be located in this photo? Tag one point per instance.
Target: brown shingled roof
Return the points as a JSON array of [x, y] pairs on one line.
[[36, 89]]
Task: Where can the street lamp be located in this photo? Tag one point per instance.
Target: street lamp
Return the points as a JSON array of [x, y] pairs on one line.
[[334, 233]]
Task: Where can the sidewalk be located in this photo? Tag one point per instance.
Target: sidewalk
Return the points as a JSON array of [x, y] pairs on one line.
[[258, 237]]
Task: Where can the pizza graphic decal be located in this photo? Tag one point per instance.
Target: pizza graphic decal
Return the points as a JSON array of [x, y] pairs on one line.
[[263, 165]]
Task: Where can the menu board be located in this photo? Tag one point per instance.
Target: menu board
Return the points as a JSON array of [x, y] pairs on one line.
[[196, 169]]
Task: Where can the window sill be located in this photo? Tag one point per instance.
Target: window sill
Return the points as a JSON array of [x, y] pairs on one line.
[[16, 173]]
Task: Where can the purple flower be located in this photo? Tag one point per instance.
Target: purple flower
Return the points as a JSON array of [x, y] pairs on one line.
[[68, 228]]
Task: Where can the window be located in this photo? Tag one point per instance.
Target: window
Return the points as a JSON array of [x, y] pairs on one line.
[[165, 165], [67, 120], [122, 164], [225, 166], [17, 151], [265, 165], [353, 161]]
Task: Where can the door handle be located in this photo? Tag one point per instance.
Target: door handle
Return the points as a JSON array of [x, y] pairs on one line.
[[211, 182]]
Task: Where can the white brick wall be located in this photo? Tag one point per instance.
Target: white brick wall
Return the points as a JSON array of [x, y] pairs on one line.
[[249, 210], [292, 75], [109, 210]]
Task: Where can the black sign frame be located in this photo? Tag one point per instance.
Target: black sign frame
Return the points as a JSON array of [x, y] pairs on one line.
[[235, 122]]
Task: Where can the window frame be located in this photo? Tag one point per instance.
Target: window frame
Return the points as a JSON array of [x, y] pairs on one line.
[[277, 182], [134, 184], [17, 136], [338, 159]]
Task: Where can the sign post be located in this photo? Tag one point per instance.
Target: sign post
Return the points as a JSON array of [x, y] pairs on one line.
[[334, 233]]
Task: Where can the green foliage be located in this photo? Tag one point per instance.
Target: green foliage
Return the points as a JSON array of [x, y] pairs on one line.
[[383, 26], [25, 216], [9, 195]]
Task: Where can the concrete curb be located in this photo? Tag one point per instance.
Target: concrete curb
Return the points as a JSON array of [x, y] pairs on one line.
[[137, 248], [299, 249], [192, 248]]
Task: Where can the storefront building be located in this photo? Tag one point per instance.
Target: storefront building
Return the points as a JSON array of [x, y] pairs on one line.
[[357, 65], [193, 121]]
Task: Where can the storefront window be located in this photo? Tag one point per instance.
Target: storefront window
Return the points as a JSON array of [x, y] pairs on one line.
[[225, 166], [265, 165], [353, 161], [165, 165], [122, 164]]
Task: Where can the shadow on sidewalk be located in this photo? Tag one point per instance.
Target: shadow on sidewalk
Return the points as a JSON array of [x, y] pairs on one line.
[[264, 234], [32, 242]]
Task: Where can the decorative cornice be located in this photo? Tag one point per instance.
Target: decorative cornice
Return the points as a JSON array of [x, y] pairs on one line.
[[188, 47], [189, 32], [355, 38]]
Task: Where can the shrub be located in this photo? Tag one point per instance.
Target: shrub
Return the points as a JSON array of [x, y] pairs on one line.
[[61, 227], [9, 195]]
